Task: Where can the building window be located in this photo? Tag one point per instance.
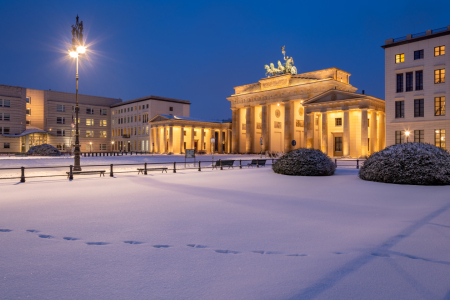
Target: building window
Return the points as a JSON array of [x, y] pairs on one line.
[[439, 76], [418, 108], [171, 108], [89, 133], [28, 122], [439, 106], [60, 132], [399, 109], [103, 111], [399, 83], [419, 136], [89, 110], [28, 99], [439, 50], [399, 137], [338, 121], [89, 122], [418, 54], [147, 105], [338, 144], [439, 138], [419, 80], [5, 103], [399, 58], [6, 117], [5, 130], [60, 120], [61, 146], [6, 145], [103, 123], [102, 134], [102, 147], [60, 108], [28, 111], [409, 81]]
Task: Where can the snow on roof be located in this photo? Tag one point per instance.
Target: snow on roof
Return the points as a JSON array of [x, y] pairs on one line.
[[30, 130], [172, 117]]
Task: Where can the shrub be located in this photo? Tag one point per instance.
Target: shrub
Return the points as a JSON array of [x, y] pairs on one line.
[[44, 150], [304, 162], [408, 163]]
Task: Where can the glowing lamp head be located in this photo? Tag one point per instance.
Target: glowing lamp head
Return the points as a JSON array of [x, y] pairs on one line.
[[73, 54], [407, 133], [81, 49]]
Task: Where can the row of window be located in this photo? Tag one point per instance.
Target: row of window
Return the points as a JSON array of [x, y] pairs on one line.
[[130, 119], [419, 107], [4, 130], [89, 110], [439, 77], [5, 103], [5, 117], [419, 137], [89, 147], [130, 131], [89, 133], [419, 54], [124, 110], [89, 122]]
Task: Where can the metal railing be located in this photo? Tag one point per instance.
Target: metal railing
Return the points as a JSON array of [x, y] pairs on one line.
[[418, 34], [439, 30], [414, 35]]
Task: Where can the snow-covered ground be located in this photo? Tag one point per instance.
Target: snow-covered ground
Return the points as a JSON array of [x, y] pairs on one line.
[[242, 234]]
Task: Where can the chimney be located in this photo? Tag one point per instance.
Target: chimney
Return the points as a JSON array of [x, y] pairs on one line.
[[363, 92]]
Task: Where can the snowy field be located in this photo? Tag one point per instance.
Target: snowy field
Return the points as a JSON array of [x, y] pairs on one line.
[[242, 234]]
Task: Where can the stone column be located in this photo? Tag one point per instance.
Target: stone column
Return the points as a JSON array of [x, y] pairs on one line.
[[158, 141], [264, 129], [364, 133], [166, 150], [235, 130], [192, 137], [382, 128], [219, 142], [346, 135], [229, 141], [309, 130], [170, 139], [202, 139], [373, 132], [249, 131], [287, 127], [182, 140], [325, 132]]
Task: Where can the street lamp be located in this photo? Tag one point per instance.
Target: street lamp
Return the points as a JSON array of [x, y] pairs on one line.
[[112, 145], [407, 133], [77, 49], [90, 143]]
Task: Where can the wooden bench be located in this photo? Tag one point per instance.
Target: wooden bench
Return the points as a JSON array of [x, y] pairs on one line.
[[141, 170], [257, 162], [101, 172], [225, 163]]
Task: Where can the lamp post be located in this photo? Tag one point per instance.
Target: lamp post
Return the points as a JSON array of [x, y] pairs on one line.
[[77, 49], [90, 148], [407, 133], [112, 145]]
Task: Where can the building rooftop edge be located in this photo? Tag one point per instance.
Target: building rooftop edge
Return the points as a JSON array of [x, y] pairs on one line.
[[411, 38], [151, 97]]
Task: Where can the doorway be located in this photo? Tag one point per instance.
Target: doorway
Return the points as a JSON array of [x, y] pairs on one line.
[[337, 145]]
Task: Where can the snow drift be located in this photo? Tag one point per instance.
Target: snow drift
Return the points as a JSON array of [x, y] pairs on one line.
[[408, 163], [304, 162]]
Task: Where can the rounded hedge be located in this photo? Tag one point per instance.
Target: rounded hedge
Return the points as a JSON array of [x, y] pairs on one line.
[[44, 150], [304, 162], [408, 163]]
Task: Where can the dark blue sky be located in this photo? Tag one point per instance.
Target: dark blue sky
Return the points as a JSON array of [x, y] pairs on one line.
[[200, 50]]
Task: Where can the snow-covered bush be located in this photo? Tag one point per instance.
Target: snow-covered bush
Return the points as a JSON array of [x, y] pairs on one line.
[[408, 163], [304, 162], [44, 149]]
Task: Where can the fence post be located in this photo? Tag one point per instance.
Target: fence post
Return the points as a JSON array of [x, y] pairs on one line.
[[174, 166], [199, 167], [357, 163], [220, 164], [257, 163], [71, 173], [22, 176], [240, 164], [335, 162], [145, 168], [111, 173]]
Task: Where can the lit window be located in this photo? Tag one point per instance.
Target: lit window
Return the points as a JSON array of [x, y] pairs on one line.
[[439, 106], [439, 76], [102, 134], [399, 58], [439, 138], [89, 122], [439, 50], [103, 122], [89, 133]]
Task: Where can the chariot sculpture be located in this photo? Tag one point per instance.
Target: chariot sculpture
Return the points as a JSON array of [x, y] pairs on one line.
[[287, 68]]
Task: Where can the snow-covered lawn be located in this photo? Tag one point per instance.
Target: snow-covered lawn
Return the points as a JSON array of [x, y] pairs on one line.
[[242, 234]]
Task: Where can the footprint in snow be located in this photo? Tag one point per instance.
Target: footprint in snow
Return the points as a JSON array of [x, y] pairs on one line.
[[32, 230], [68, 238], [133, 242], [227, 251], [196, 246], [161, 246], [5, 230], [267, 252], [380, 254], [96, 243], [296, 255], [45, 236]]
